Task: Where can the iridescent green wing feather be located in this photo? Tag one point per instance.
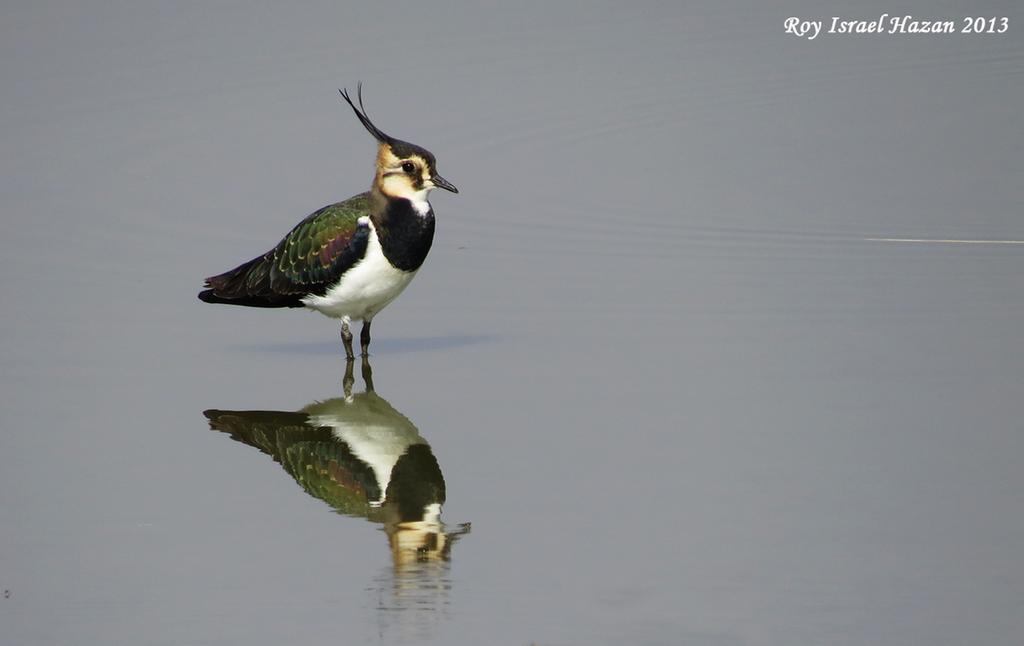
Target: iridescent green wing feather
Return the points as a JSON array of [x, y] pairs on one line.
[[320, 248], [323, 465], [308, 260]]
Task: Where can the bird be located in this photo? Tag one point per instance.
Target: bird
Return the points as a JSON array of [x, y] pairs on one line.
[[350, 259], [363, 458]]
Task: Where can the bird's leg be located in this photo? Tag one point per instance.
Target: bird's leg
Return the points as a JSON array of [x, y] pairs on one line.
[[346, 338], [364, 338], [348, 380], [367, 374]]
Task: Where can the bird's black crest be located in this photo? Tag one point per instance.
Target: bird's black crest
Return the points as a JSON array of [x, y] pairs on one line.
[[377, 133], [399, 147]]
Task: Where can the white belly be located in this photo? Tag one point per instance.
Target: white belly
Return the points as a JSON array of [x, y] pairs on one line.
[[375, 432], [365, 289]]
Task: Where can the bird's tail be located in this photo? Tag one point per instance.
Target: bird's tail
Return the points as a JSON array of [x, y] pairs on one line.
[[247, 284]]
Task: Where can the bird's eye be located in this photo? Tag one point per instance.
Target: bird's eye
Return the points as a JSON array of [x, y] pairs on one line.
[[409, 167]]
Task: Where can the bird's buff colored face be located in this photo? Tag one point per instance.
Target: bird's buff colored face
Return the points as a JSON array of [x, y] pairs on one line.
[[411, 177], [404, 170], [403, 177]]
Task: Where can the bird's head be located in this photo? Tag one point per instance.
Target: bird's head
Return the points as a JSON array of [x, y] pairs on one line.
[[404, 170]]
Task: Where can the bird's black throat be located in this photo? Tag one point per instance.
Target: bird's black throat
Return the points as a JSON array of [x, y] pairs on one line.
[[405, 235]]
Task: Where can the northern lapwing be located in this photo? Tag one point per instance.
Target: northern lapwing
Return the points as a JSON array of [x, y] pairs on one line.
[[351, 259], [363, 458]]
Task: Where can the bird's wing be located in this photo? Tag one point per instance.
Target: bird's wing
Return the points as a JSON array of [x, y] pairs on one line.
[[320, 248], [307, 261], [323, 465]]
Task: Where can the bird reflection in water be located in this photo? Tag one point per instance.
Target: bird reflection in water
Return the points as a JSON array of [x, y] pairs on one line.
[[365, 459]]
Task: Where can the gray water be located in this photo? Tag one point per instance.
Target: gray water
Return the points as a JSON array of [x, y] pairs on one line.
[[682, 385]]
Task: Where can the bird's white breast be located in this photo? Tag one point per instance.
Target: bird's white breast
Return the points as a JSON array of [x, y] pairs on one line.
[[376, 433], [380, 447], [366, 288]]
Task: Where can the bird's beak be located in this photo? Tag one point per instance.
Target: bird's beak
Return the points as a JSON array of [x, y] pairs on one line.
[[441, 182]]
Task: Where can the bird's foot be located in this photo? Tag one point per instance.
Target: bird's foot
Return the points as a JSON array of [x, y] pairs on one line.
[[348, 380], [367, 374], [346, 339]]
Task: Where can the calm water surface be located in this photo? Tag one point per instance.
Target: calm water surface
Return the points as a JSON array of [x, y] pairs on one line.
[[660, 380]]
